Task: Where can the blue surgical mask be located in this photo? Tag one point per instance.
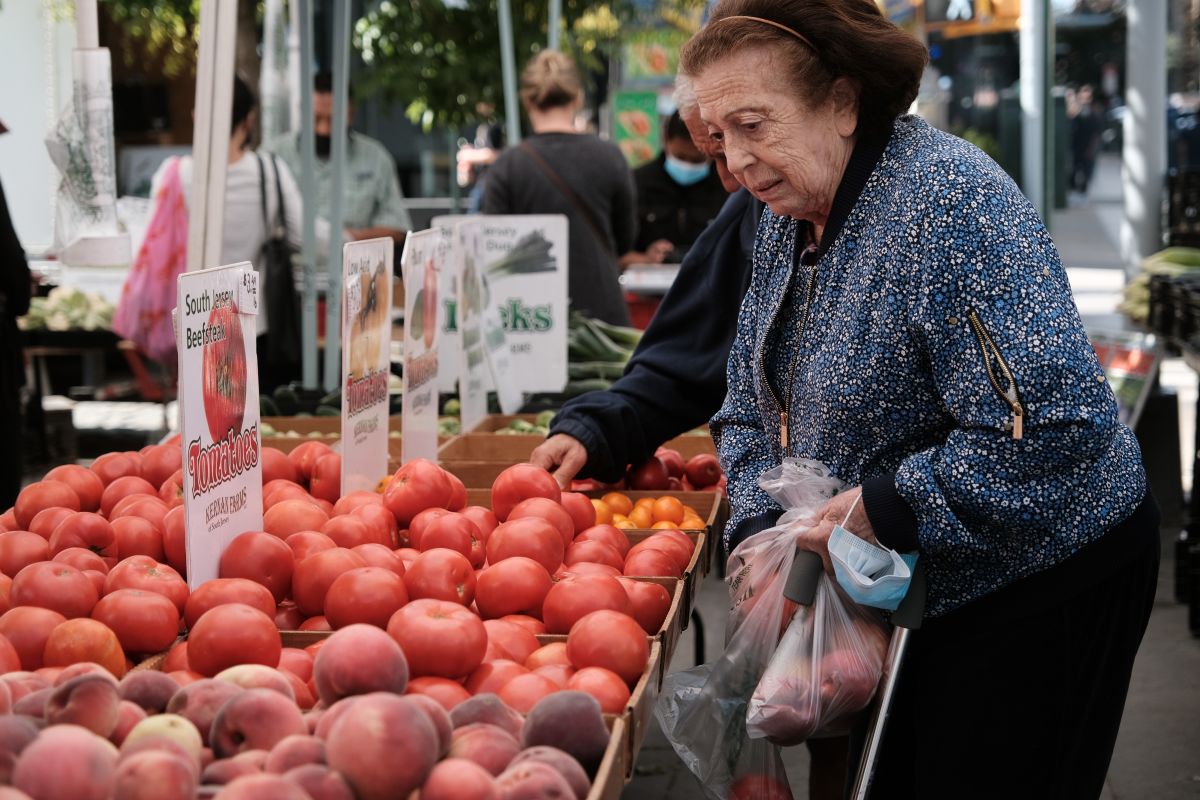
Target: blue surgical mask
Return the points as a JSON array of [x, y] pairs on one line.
[[685, 173], [870, 575]]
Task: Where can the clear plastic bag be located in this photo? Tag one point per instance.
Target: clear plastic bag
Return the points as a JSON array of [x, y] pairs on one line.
[[703, 710], [823, 672]]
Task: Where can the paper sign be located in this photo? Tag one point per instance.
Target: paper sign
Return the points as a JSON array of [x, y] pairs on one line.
[[425, 253], [472, 353], [218, 400], [449, 280], [366, 361]]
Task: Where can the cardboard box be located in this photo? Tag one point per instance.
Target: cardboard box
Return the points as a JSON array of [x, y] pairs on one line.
[[331, 426], [287, 444], [494, 422], [488, 448], [614, 769], [639, 713]]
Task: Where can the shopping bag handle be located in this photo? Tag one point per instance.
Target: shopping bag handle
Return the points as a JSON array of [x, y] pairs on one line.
[[801, 584]]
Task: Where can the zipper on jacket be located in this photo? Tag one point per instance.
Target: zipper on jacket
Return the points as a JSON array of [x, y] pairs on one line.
[[1000, 370], [762, 359]]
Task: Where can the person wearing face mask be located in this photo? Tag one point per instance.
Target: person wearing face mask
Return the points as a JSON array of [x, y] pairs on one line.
[[679, 193], [372, 203]]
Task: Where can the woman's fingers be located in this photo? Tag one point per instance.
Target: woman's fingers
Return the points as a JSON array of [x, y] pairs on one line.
[[561, 454]]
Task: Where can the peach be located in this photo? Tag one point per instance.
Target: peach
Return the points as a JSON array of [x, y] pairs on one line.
[[33, 704], [320, 782], [227, 770], [257, 757], [331, 715], [254, 719], [6, 701], [169, 726], [91, 701], [439, 717], [149, 688], [296, 661], [563, 762], [490, 709], [9, 793], [533, 780], [16, 733], [312, 718], [200, 701], [259, 786], [359, 659], [258, 676], [155, 775], [363, 744], [571, 721], [128, 716], [294, 751], [459, 779], [23, 683], [74, 671], [66, 761], [488, 746], [305, 697]]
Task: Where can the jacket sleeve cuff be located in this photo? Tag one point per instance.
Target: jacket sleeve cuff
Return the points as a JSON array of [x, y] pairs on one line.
[[599, 464], [748, 527], [891, 516]]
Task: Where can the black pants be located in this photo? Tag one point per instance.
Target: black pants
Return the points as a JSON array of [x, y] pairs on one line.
[[993, 705]]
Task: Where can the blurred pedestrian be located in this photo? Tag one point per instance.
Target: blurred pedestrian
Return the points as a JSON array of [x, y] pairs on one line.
[[1087, 126], [14, 302]]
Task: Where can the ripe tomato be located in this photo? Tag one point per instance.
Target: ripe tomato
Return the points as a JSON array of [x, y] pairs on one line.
[[82, 559], [586, 568], [547, 655], [515, 585], [446, 692], [161, 462], [279, 490], [42, 495], [296, 661], [605, 685], [232, 634], [548, 510], [518, 482], [122, 488], [87, 484], [441, 574], [8, 521], [612, 536], [288, 617], [58, 587], [523, 692], [668, 541], [314, 575], [223, 370], [277, 466], [307, 543], [27, 628], [347, 503], [458, 493], [348, 531], [292, 516], [381, 521], [81, 640], [583, 513], [531, 624], [559, 674], [5, 593], [19, 549], [531, 537], [144, 622], [595, 553], [10, 661], [111, 466], [87, 530], [422, 520], [141, 572], [97, 578], [483, 518], [572, 599], [759, 787], [649, 603], [490, 676], [369, 595], [174, 540], [508, 640], [304, 458], [378, 555], [317, 623], [439, 638], [136, 536], [149, 507], [176, 658], [262, 558], [453, 531], [652, 563], [47, 520], [416, 486], [223, 591], [326, 481], [611, 640]]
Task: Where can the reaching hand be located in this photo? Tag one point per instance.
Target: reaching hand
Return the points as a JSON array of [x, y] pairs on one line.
[[561, 454]]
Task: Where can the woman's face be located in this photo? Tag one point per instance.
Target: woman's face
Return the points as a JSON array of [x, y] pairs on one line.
[[788, 154]]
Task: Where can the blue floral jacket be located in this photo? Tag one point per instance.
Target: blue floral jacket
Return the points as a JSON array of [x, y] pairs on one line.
[[935, 350]]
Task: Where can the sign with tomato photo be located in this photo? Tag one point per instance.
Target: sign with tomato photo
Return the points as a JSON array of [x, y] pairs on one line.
[[637, 132], [218, 400], [366, 361], [652, 55], [425, 255]]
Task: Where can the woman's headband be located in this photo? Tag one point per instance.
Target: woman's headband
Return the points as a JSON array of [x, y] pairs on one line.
[[773, 24]]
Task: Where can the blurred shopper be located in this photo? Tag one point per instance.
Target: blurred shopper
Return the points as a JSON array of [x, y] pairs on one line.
[[475, 157], [14, 302], [1086, 128], [561, 171], [678, 195]]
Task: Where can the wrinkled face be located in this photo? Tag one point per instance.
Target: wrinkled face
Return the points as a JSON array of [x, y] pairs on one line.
[[323, 113], [788, 154], [705, 144]]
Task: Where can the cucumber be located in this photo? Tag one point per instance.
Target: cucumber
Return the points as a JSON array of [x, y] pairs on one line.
[[286, 401], [621, 335], [608, 370], [576, 388], [328, 411], [267, 407]]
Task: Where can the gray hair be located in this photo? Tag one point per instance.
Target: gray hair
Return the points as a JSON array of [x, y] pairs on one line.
[[684, 95]]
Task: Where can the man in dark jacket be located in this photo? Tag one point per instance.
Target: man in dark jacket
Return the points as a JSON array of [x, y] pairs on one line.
[[14, 302]]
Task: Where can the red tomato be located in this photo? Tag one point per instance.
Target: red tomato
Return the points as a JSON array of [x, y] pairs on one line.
[[326, 481], [82, 559], [144, 622], [458, 493], [136, 536], [439, 638], [680, 552], [277, 466], [58, 587], [262, 558], [652, 563], [531, 537], [292, 516], [523, 692], [87, 484], [288, 617], [223, 370], [611, 640], [381, 521], [304, 458], [97, 578], [583, 513], [296, 661], [760, 787], [453, 531], [87, 530], [514, 586], [279, 490], [548, 510], [611, 535], [42, 495], [77, 641], [594, 552], [446, 692], [307, 543], [422, 520], [8, 521], [559, 674], [27, 628], [171, 490], [348, 531], [348, 503], [508, 640], [161, 462], [176, 658], [490, 676], [47, 520], [317, 623], [122, 488], [572, 599], [19, 549], [649, 603], [441, 574], [531, 624], [369, 595], [111, 466], [605, 685], [10, 661], [174, 540], [232, 634], [416, 486], [586, 568], [548, 655], [314, 575], [5, 593], [378, 555], [223, 591], [149, 507], [483, 518], [140, 572], [518, 482]]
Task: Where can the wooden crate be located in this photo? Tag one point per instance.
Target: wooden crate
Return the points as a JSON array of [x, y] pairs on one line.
[[690, 445], [639, 712], [614, 768], [691, 576], [488, 448], [287, 444], [494, 422]]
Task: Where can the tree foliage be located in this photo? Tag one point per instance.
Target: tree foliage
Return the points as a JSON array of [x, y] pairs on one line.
[[169, 29]]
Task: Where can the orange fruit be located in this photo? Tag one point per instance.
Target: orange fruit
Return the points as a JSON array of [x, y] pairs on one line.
[[664, 525], [641, 517], [689, 510], [619, 518], [647, 502], [624, 524], [604, 514], [691, 523], [617, 502], [667, 509]]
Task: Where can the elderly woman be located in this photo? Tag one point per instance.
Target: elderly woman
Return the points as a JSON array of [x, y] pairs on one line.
[[909, 323]]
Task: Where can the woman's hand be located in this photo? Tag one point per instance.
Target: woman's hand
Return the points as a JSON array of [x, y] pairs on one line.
[[561, 454], [816, 538]]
